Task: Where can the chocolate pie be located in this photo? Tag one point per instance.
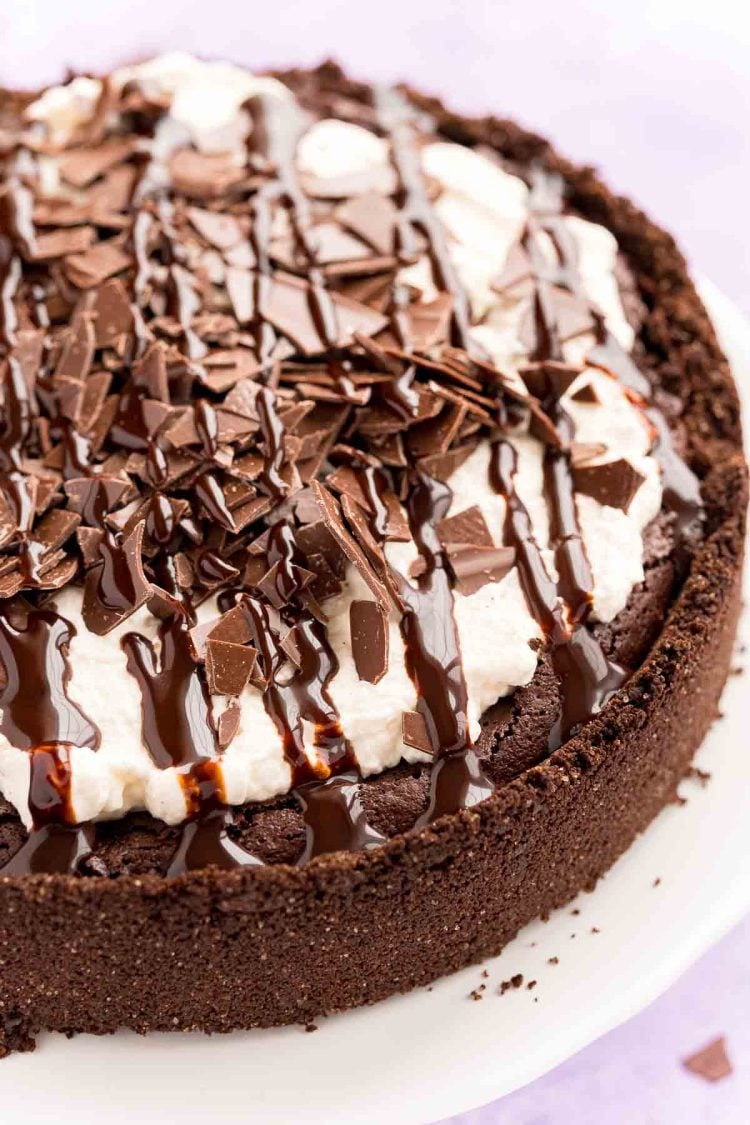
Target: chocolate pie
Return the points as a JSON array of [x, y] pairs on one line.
[[371, 524]]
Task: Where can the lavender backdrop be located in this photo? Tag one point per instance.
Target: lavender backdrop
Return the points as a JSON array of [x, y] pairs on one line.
[[655, 93]]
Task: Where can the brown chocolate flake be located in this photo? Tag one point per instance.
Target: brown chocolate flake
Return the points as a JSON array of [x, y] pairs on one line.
[[221, 230], [429, 323], [711, 1063], [582, 452], [289, 307], [60, 243], [331, 516], [586, 393], [414, 731], [95, 265], [81, 166], [475, 566], [549, 379], [373, 217], [113, 314], [228, 724], [228, 666], [76, 353], [465, 528], [613, 483], [369, 636], [117, 585], [203, 175]]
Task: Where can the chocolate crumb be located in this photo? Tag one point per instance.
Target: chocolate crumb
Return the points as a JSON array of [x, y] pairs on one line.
[[711, 1062]]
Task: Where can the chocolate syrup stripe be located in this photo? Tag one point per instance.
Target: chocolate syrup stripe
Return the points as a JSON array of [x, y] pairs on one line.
[[396, 118], [433, 661], [587, 678], [177, 722], [680, 486], [46, 723], [278, 125]]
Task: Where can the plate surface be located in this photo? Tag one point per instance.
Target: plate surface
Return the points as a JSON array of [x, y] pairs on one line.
[[434, 1053]]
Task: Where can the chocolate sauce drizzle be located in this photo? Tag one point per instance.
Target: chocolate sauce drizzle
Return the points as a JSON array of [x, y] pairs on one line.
[[178, 726], [35, 652], [205, 840], [396, 117], [46, 723], [433, 659], [586, 676]]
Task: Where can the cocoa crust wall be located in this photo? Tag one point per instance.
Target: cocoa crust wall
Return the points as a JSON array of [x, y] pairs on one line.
[[259, 946]]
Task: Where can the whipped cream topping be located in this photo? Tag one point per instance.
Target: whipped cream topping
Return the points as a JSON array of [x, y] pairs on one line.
[[483, 211]]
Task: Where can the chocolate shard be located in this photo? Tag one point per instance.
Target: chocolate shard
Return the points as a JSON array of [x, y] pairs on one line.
[[221, 230], [96, 264], [116, 586], [331, 516], [586, 393], [289, 307], [228, 724], [369, 636], [81, 166], [613, 483], [548, 378], [113, 314], [373, 217], [232, 627], [711, 1063], [581, 452], [414, 732], [475, 566], [228, 666], [468, 527], [59, 243], [429, 323]]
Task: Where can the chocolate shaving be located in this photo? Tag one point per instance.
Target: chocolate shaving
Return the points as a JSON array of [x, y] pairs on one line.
[[228, 724], [474, 566], [228, 666], [711, 1063], [414, 732], [96, 264], [117, 586], [465, 528], [369, 634], [613, 483], [373, 217], [329, 511], [586, 393], [289, 309]]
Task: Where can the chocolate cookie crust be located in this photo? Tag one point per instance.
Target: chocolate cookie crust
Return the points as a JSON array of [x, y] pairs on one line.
[[430, 901]]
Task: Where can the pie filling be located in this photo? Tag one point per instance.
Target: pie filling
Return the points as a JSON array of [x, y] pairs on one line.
[[318, 432]]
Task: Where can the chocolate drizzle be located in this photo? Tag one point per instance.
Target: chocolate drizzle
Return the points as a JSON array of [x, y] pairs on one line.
[[296, 694], [178, 726], [396, 117], [54, 843], [433, 655], [205, 840], [46, 723], [587, 678], [35, 652]]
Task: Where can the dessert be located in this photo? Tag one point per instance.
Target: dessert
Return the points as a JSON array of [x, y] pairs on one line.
[[372, 507]]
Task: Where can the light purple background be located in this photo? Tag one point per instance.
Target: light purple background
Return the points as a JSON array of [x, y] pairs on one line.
[[657, 94]]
